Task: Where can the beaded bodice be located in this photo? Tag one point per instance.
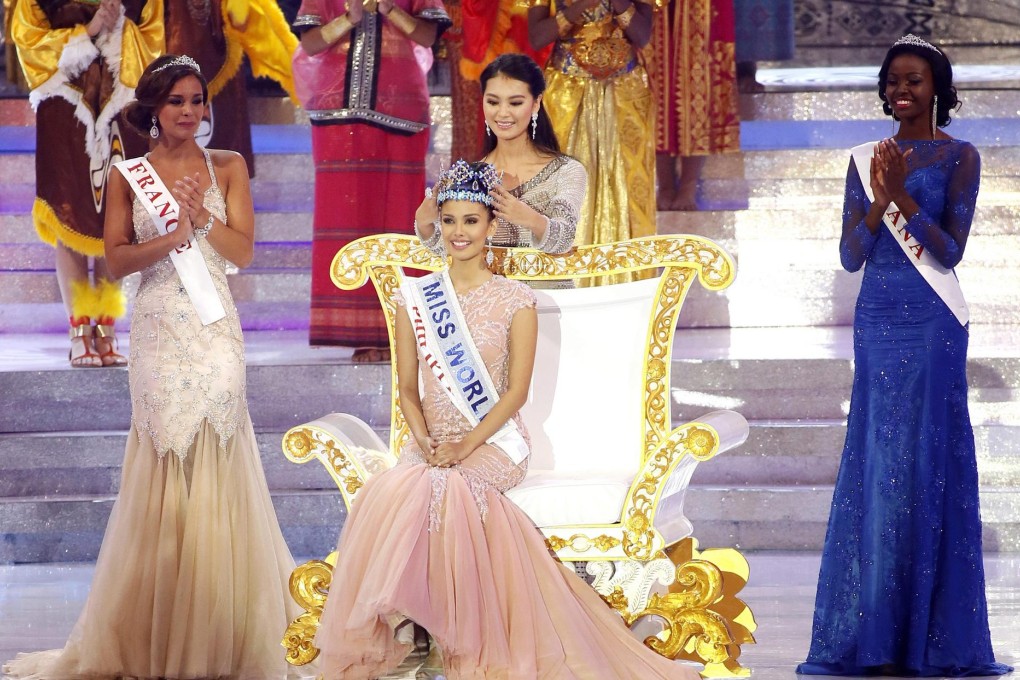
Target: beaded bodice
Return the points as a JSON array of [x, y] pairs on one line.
[[181, 371], [488, 311], [557, 192]]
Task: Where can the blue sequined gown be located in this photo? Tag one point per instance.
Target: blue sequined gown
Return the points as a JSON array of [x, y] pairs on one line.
[[901, 589]]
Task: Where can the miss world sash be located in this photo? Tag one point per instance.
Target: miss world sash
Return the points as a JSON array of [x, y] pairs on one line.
[[449, 351], [164, 211], [943, 281]]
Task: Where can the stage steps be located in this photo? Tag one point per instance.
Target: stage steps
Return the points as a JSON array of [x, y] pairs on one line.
[[61, 463]]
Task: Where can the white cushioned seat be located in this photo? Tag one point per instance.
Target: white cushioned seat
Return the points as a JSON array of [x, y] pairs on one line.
[[554, 499]]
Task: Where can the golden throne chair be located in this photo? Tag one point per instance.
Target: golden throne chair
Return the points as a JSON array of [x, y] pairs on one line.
[[608, 474]]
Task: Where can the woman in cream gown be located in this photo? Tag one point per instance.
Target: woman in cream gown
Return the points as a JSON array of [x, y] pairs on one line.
[[192, 576]]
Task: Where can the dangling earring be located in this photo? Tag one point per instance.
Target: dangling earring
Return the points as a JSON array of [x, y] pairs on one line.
[[154, 130], [934, 115], [489, 257], [534, 124], [488, 132]]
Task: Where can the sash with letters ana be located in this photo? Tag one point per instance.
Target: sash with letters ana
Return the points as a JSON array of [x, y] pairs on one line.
[[943, 281], [164, 211], [451, 354]]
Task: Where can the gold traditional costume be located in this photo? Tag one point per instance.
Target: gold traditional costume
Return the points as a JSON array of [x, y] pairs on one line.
[[693, 75], [602, 110]]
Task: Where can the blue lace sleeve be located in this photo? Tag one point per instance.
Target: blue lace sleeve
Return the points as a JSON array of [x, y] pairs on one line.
[[857, 240], [945, 239]]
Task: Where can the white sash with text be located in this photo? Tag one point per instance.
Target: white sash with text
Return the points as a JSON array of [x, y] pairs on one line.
[[449, 351], [943, 281], [164, 211]]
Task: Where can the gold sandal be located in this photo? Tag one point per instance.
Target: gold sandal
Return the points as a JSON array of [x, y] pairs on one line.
[[110, 357], [87, 358]]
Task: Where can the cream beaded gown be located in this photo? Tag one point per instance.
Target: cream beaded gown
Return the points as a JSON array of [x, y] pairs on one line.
[[192, 576], [445, 548]]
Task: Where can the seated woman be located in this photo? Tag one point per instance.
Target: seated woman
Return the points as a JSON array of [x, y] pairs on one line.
[[538, 202], [434, 540]]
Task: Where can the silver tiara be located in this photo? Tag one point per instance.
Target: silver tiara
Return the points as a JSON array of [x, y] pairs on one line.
[[911, 39], [183, 60]]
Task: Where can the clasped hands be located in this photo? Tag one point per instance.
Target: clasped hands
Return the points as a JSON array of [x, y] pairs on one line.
[[443, 455], [889, 172], [356, 9], [104, 19], [574, 10], [189, 197]]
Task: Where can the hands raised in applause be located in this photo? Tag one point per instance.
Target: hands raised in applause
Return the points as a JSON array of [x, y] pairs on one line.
[[889, 170], [104, 19]]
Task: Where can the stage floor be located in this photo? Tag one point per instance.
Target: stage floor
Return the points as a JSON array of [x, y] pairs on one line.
[[39, 604]]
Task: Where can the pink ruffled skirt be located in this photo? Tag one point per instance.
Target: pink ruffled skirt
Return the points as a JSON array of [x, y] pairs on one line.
[[445, 550]]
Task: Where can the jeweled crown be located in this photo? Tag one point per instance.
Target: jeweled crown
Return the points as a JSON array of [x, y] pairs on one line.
[[913, 40], [465, 181], [183, 60]]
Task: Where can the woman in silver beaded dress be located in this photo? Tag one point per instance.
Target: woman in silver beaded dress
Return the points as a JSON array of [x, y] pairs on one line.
[[541, 207], [192, 575]]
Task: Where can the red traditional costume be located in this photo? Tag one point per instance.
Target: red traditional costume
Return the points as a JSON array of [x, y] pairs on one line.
[[368, 102]]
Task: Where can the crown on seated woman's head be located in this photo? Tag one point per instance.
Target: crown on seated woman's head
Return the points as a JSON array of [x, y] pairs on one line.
[[914, 41], [465, 181], [183, 60]]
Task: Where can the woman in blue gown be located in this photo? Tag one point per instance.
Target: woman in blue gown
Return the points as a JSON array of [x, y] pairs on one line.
[[901, 589]]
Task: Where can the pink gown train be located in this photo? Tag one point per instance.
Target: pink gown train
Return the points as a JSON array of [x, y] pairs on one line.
[[446, 549]]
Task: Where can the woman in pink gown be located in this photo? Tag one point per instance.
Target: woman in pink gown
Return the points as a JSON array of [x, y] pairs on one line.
[[434, 541]]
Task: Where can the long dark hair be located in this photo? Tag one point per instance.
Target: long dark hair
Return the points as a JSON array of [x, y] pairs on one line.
[[942, 77], [523, 68], [154, 87]]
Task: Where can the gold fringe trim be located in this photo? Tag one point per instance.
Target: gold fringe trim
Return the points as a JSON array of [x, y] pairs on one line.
[[83, 299], [51, 230], [102, 303], [231, 65], [111, 303]]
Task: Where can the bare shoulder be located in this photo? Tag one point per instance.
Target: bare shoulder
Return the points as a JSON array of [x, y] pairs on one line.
[[230, 161]]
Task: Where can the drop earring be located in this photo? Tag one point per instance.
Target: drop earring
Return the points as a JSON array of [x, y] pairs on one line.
[[534, 125], [489, 257], [154, 130], [934, 115], [488, 132]]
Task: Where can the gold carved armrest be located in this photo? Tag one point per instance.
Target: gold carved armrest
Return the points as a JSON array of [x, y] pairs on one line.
[[349, 466], [641, 541]]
